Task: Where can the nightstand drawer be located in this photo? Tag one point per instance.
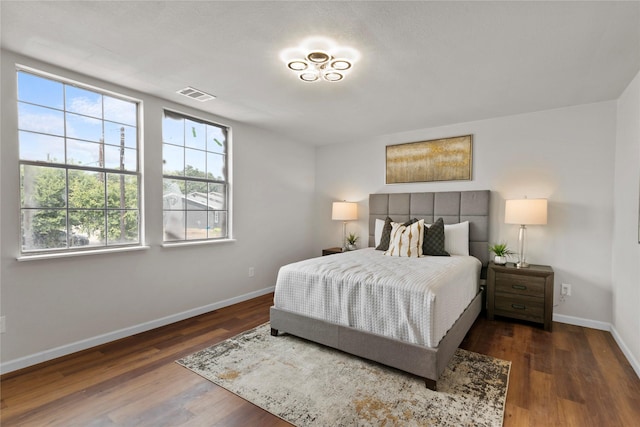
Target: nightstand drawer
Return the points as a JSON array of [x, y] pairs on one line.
[[521, 307], [519, 284]]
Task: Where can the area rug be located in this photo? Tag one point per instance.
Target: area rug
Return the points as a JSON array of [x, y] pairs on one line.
[[308, 384]]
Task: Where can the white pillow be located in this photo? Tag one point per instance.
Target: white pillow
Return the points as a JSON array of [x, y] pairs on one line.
[[406, 241], [456, 238], [377, 236]]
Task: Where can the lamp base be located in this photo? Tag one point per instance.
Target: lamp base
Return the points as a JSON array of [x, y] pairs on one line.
[[344, 236], [522, 246]]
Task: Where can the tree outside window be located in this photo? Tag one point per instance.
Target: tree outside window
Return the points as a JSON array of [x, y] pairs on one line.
[[196, 183], [79, 174]]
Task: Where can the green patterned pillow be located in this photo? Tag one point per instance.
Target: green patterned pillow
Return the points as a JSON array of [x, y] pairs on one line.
[[386, 236], [433, 242]]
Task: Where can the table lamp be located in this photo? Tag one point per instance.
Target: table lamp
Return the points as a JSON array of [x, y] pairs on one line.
[[525, 212], [344, 211]]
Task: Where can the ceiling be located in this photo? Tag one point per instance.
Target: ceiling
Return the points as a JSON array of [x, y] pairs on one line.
[[423, 64]]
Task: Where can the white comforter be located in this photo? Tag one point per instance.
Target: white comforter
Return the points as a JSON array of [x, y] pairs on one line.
[[411, 299]]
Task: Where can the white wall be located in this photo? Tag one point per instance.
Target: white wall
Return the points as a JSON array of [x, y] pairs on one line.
[[626, 249], [61, 302], [565, 155]]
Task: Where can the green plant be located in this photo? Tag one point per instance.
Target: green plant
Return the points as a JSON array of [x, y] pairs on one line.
[[352, 238], [501, 249]]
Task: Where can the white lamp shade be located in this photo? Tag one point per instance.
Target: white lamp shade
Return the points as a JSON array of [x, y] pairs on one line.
[[344, 211], [526, 211]]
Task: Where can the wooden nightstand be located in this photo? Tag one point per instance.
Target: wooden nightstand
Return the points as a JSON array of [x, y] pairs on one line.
[[520, 293], [331, 251]]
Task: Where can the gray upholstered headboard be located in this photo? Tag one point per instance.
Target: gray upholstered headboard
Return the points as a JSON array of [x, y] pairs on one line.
[[452, 206]]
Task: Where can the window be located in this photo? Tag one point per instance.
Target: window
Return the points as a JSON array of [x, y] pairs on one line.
[[196, 181], [79, 173]]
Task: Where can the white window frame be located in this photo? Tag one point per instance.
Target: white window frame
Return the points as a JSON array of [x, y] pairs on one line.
[[45, 253], [177, 242]]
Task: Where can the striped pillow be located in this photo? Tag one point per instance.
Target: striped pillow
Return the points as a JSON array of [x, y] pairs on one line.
[[382, 244], [406, 240]]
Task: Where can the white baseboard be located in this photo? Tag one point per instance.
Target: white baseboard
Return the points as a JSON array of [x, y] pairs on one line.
[[579, 321], [33, 359], [625, 350], [23, 362]]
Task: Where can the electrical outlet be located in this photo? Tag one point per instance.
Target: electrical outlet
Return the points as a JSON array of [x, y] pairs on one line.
[[252, 272], [3, 325], [565, 289]]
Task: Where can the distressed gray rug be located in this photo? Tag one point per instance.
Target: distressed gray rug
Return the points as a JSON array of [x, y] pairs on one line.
[[311, 385]]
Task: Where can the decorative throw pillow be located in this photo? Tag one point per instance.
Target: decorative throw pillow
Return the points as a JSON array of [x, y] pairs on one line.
[[456, 238], [406, 240], [377, 234], [385, 236], [383, 243], [433, 243]]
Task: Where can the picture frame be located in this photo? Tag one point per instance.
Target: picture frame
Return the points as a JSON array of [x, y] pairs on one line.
[[444, 159]]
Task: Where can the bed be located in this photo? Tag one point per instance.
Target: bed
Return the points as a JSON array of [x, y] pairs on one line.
[[379, 322]]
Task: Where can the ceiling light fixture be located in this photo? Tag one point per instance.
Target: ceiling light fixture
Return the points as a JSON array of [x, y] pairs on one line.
[[320, 58]]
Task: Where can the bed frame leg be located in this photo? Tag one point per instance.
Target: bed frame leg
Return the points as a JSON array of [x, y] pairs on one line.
[[431, 384], [274, 332]]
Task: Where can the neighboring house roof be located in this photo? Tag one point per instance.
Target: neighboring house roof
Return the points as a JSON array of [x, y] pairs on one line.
[[214, 201]]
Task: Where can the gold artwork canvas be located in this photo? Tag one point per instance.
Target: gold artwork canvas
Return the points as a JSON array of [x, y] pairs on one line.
[[447, 159]]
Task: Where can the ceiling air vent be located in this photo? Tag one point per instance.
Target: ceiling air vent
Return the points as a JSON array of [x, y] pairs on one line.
[[196, 94]]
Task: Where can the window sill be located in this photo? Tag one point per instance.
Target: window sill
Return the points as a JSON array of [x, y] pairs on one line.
[[196, 243], [40, 256]]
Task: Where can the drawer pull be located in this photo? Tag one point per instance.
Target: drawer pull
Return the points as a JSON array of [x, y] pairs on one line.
[[519, 287], [519, 306]]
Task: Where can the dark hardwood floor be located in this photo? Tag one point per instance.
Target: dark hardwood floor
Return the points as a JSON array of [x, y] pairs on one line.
[[573, 376]]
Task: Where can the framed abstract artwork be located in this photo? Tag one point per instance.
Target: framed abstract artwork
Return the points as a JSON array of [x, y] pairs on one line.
[[446, 159]]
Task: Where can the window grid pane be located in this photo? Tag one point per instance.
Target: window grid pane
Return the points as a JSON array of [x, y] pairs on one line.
[[195, 179], [73, 143]]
